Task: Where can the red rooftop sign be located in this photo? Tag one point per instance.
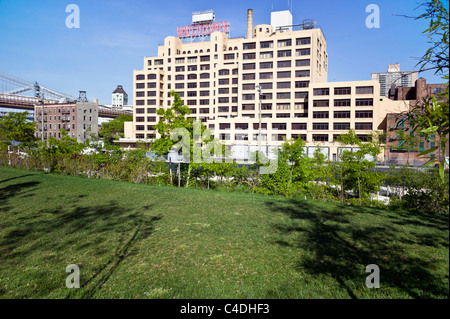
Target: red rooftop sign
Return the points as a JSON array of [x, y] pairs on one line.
[[202, 30]]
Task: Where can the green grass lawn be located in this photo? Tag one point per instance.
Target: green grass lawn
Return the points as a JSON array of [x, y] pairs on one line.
[[141, 241]]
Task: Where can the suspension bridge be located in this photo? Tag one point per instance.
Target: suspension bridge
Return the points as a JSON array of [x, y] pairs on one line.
[[23, 95]]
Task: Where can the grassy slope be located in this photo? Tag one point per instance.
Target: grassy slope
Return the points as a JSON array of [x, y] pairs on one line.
[[141, 241]]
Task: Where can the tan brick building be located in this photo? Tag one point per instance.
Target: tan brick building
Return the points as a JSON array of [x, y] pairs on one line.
[[218, 80]]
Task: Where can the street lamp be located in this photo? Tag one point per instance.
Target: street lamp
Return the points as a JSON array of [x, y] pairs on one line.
[[259, 88]]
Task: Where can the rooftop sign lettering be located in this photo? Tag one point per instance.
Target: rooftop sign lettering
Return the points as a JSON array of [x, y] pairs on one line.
[[202, 30]]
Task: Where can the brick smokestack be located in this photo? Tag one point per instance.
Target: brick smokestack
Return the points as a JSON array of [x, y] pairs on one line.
[[249, 23]]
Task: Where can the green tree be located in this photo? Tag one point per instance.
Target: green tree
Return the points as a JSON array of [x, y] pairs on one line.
[[356, 166], [430, 117], [15, 127], [114, 129]]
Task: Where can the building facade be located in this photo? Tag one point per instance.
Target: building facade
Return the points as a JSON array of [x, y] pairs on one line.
[[276, 77], [394, 76], [78, 119], [119, 97]]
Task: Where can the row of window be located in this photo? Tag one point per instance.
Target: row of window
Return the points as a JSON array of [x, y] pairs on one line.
[[344, 90], [343, 102]]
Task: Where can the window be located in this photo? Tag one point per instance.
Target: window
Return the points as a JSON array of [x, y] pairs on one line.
[[247, 97], [301, 95], [241, 137], [224, 81], [140, 77], [302, 74], [224, 72], [363, 126], [192, 85], [283, 106], [342, 91], [284, 64], [321, 114], [248, 76], [303, 41], [222, 109], [342, 102], [364, 102], [364, 114], [224, 90], [284, 74], [321, 91], [151, 77], [320, 137], [224, 126], [437, 90], [283, 85], [224, 100], [249, 46], [266, 55], [299, 126], [279, 126], [304, 62], [364, 90], [205, 58], [321, 103], [263, 126], [229, 56], [341, 126], [248, 107], [341, 114], [266, 86], [266, 44], [151, 110], [284, 43], [302, 52], [248, 66], [284, 95], [140, 110], [302, 84], [283, 115], [249, 56], [266, 65], [179, 69], [140, 102], [265, 76], [179, 85], [179, 77], [204, 76], [284, 53], [140, 85], [192, 76], [246, 87], [241, 126]]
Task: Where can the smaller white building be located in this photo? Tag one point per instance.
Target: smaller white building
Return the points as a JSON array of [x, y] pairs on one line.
[[119, 97]]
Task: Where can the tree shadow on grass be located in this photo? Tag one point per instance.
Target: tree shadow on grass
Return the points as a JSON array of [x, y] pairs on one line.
[[14, 190], [339, 243], [105, 232]]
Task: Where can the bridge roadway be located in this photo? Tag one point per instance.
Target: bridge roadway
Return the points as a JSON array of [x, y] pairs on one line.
[[26, 103]]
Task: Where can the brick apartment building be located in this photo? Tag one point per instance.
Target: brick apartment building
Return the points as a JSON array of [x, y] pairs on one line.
[[78, 119], [405, 150]]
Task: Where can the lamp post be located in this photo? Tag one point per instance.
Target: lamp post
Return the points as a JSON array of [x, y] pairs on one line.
[[259, 88]]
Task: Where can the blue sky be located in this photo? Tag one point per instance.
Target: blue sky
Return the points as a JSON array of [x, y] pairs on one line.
[[115, 35]]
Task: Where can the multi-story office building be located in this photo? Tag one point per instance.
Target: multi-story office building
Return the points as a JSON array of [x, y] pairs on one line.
[[219, 81], [78, 119], [394, 76]]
